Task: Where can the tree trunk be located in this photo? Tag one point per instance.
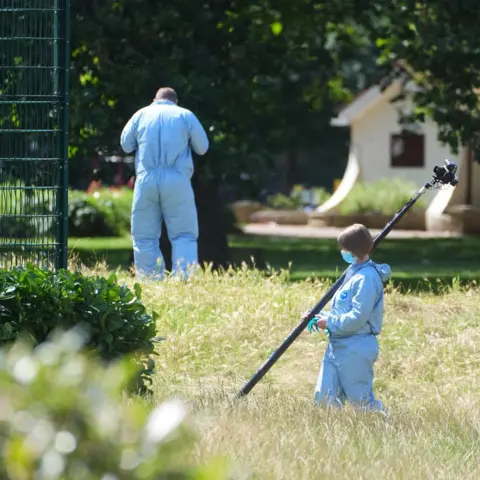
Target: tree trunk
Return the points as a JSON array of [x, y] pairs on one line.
[[292, 167], [470, 159]]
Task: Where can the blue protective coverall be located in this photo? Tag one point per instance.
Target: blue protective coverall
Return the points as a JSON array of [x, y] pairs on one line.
[[353, 323], [163, 136]]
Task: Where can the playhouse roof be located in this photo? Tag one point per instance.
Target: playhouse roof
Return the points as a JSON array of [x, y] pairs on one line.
[[366, 100], [400, 74]]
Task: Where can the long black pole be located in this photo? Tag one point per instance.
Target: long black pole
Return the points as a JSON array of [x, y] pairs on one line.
[[322, 303]]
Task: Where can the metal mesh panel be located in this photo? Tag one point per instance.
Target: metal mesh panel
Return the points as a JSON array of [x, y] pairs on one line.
[[34, 63]]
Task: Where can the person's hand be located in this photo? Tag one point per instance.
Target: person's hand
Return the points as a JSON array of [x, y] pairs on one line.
[[312, 325], [322, 323], [317, 323], [306, 314]]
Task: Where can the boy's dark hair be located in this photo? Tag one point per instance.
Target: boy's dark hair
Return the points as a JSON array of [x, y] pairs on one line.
[[356, 239]]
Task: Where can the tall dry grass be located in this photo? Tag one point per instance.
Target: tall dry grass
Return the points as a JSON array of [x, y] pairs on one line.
[[220, 328]]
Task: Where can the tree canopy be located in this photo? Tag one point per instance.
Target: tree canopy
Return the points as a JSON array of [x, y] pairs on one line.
[[263, 77], [437, 43]]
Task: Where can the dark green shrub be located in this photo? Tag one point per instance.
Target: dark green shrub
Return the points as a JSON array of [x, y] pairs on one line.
[[87, 217], [36, 302], [119, 203], [105, 213], [17, 227], [18, 208], [62, 417]]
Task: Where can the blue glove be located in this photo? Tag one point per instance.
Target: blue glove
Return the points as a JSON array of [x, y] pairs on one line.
[[312, 325]]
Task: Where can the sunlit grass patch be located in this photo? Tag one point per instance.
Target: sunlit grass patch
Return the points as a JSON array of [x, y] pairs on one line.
[[220, 328]]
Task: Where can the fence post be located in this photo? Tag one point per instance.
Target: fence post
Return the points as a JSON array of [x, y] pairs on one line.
[[34, 118], [62, 64]]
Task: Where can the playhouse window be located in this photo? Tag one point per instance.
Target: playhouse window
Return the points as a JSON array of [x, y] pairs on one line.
[[407, 150]]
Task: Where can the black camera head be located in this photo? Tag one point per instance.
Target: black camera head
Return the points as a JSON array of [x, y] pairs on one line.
[[445, 175]]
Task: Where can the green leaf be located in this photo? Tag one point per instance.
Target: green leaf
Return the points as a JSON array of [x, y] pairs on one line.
[[277, 28]]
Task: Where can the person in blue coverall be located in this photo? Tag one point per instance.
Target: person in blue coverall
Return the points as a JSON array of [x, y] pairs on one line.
[[163, 136], [352, 325]]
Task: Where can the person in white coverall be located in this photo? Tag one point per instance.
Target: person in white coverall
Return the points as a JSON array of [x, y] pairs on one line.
[[352, 325], [163, 136]]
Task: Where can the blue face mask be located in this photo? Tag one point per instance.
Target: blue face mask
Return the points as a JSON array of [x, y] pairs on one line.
[[348, 256]]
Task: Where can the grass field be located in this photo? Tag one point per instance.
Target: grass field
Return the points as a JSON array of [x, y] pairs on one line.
[[416, 263], [220, 328]]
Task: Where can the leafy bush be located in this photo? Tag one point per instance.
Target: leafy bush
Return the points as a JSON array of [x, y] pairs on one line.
[[322, 195], [294, 201], [62, 417], [385, 197], [108, 213], [18, 205], [86, 218], [280, 201], [105, 213], [36, 302], [17, 227], [120, 200]]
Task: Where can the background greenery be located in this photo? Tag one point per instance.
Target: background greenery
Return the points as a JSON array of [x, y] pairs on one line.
[[105, 213], [385, 196], [265, 78], [418, 263]]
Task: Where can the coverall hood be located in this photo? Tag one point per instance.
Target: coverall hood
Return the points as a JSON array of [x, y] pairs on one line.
[[384, 270]]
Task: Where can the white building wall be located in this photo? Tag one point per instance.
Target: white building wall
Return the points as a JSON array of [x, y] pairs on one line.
[[370, 137]]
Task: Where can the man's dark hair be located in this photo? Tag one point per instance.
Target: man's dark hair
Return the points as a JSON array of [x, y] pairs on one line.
[[167, 93]]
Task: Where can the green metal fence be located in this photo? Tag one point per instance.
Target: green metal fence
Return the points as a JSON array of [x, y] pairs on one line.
[[34, 105]]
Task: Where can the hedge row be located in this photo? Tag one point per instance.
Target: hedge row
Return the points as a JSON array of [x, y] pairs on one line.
[[107, 212], [384, 197], [104, 213]]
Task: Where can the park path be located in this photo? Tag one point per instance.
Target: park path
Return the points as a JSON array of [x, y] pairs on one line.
[[300, 231]]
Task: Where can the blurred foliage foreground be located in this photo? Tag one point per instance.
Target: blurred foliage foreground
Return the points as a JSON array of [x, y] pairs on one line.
[[60, 418]]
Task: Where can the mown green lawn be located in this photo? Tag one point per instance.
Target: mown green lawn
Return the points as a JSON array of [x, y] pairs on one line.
[[426, 262]]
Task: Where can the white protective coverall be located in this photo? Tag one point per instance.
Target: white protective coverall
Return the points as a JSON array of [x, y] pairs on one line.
[[354, 321], [163, 136]]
